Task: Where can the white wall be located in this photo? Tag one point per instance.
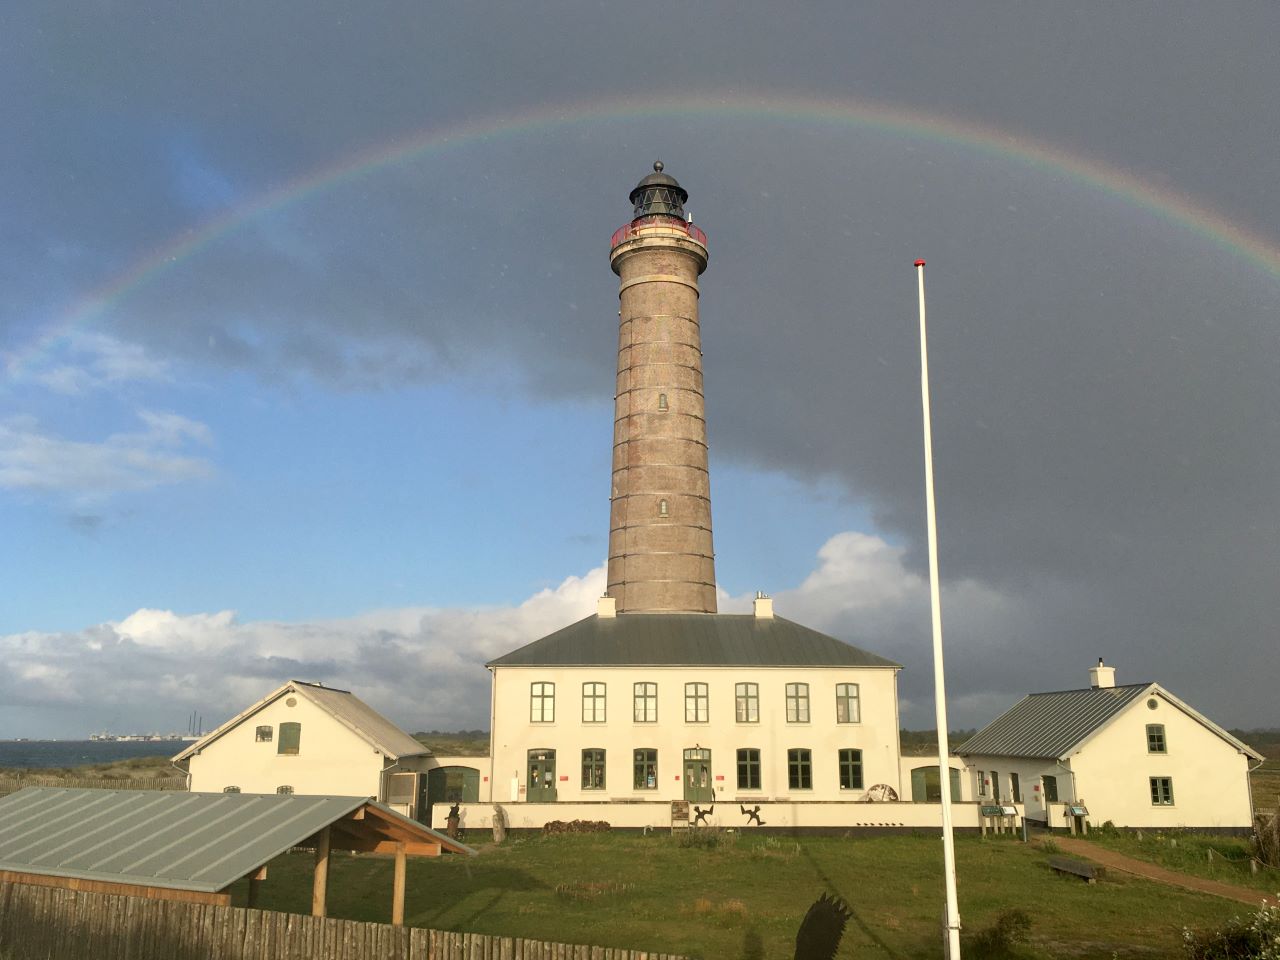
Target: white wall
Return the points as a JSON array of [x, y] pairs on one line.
[[1030, 776], [876, 734], [331, 760], [1210, 777]]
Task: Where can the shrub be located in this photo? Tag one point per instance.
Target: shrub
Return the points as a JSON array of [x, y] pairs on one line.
[[1001, 940], [1255, 937], [1266, 838], [575, 826]]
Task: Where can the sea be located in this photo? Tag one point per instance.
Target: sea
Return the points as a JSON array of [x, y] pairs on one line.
[[36, 754]]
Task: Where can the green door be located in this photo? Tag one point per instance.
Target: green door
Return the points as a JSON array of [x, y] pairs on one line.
[[542, 777], [926, 785], [697, 776]]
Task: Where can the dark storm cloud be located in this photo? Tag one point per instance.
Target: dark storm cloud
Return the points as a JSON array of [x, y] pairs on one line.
[[1107, 443]]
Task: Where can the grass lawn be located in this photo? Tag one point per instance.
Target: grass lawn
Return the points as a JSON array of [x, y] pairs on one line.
[[745, 897], [1189, 853]]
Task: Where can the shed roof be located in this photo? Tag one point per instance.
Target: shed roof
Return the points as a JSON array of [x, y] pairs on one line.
[[343, 705], [1053, 725], [689, 639], [182, 841]]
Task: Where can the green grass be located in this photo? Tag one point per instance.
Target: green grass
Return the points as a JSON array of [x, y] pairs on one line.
[[746, 896], [131, 769]]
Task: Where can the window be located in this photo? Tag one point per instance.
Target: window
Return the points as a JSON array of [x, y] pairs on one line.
[[662, 508], [695, 703], [1050, 789], [1015, 788], [746, 698], [263, 734], [285, 790], [797, 703], [848, 708], [850, 769], [982, 783], [593, 703], [995, 785], [1162, 791], [800, 769], [749, 769], [646, 769], [542, 702], [230, 789], [290, 739], [646, 702], [592, 769], [662, 401], [1155, 738]]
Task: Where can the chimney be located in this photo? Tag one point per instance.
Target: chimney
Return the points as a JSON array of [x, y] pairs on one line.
[[763, 606], [1102, 676], [606, 607]]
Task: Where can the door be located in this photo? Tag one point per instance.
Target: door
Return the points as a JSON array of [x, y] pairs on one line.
[[995, 786], [542, 777], [697, 776], [926, 785]]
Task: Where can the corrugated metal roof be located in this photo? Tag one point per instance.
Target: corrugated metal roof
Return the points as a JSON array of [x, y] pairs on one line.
[[690, 639], [1048, 725], [161, 838], [343, 705]]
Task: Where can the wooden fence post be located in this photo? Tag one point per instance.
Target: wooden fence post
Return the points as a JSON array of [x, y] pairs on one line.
[[397, 888]]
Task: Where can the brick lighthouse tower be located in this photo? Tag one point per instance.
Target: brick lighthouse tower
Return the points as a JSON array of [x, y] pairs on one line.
[[660, 552]]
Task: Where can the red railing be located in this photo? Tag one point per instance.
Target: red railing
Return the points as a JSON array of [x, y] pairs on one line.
[[653, 225]]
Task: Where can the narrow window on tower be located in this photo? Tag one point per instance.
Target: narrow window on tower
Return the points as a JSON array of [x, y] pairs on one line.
[[662, 508], [662, 401]]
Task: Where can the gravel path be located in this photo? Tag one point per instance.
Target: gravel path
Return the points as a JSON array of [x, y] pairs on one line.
[[1149, 871]]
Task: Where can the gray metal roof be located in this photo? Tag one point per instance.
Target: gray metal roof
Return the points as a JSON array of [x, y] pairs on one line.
[[169, 838], [689, 639], [343, 705], [1048, 725]]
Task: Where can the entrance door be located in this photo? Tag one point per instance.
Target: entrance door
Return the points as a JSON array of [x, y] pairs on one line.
[[697, 776], [542, 777]]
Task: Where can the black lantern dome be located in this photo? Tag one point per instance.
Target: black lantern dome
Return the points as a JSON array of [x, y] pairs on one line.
[[659, 195]]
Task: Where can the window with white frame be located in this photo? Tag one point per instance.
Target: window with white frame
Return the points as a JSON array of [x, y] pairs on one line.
[[746, 698], [797, 703], [593, 703], [848, 706], [696, 703], [542, 702], [646, 702]]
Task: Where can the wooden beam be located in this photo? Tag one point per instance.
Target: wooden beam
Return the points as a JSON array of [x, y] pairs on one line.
[[320, 882], [397, 889], [121, 889]]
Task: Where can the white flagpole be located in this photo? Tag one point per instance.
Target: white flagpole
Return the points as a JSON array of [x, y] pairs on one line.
[[939, 686]]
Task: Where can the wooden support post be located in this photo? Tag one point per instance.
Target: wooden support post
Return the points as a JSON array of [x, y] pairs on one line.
[[320, 885], [255, 880], [984, 827], [397, 889]]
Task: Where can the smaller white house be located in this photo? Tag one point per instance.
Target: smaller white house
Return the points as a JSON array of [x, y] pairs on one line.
[[1134, 755], [306, 738]]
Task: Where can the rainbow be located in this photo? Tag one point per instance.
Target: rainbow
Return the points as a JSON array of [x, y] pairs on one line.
[[1167, 204]]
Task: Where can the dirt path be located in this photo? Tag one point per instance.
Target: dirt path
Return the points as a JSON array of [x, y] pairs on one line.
[[1149, 871]]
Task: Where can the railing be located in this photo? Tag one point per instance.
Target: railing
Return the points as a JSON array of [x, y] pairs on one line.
[[673, 226]]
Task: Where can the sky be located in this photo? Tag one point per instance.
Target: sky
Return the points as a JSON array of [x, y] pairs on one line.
[[307, 339]]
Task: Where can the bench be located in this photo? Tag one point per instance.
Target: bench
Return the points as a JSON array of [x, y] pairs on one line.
[[1090, 872]]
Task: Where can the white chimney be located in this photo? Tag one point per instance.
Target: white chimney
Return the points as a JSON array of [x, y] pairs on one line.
[[606, 607], [1102, 676], [764, 606]]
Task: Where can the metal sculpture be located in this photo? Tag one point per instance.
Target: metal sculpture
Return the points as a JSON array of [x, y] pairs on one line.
[[822, 928], [752, 814], [700, 815]]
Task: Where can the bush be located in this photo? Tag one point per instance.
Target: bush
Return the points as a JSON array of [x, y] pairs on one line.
[[1266, 838], [1255, 937], [1001, 940], [575, 826]]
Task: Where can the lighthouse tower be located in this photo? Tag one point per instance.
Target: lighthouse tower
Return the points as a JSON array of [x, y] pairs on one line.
[[660, 552]]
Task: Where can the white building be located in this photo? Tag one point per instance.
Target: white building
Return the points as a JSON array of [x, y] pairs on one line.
[[306, 738], [1134, 755]]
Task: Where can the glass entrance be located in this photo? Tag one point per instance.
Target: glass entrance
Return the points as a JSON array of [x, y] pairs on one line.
[[542, 776], [697, 776]]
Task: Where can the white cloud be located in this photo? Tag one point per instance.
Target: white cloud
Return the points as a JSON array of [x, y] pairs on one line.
[[31, 459], [102, 361], [424, 667]]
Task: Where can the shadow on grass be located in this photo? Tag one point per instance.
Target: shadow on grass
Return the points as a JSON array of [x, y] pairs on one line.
[[853, 908]]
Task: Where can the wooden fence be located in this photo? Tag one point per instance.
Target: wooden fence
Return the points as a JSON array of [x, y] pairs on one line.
[[10, 785], [50, 923]]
